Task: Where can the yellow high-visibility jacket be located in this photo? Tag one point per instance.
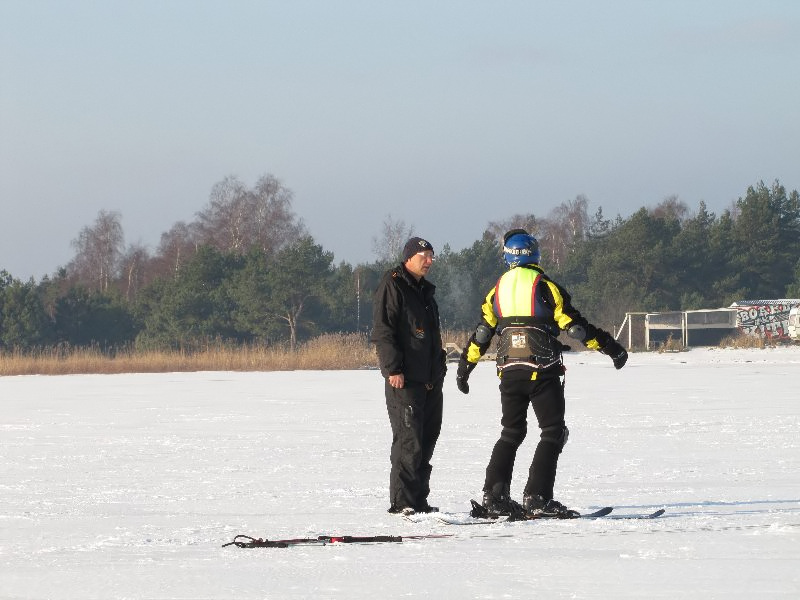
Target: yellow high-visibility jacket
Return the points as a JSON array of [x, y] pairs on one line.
[[524, 297]]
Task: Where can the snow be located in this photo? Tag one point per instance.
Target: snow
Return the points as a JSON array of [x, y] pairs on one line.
[[126, 486]]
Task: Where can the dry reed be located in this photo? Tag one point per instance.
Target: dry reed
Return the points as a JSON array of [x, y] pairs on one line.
[[744, 340], [672, 345], [327, 352]]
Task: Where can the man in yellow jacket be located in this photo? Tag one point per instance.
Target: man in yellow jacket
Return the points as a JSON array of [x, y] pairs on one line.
[[527, 310]]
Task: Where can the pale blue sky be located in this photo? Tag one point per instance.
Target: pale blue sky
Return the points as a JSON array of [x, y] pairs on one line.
[[444, 115]]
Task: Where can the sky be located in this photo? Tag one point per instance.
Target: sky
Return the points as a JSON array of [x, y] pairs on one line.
[[443, 116], [126, 486]]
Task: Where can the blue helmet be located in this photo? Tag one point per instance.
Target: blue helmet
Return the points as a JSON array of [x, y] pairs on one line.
[[520, 248]]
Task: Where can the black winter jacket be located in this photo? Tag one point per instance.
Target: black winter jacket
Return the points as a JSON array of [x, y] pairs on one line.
[[405, 328]]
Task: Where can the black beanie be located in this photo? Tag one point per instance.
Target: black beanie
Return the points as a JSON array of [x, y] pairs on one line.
[[414, 245]]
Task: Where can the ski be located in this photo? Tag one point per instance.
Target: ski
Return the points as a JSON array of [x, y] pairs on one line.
[[639, 516], [481, 518], [602, 512], [469, 518], [246, 541]]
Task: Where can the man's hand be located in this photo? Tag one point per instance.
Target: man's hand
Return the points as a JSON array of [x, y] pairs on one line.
[[462, 375], [397, 381], [617, 353]]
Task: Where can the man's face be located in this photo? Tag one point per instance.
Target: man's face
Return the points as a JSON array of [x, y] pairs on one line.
[[420, 263]]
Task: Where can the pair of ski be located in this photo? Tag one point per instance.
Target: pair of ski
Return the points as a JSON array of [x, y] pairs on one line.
[[479, 516]]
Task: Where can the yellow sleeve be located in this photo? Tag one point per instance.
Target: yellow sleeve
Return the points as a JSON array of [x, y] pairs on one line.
[[473, 351], [562, 319]]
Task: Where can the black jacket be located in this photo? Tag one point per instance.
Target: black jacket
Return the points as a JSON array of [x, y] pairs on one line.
[[405, 328]]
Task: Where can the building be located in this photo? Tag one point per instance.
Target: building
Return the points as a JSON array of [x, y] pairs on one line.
[[765, 318]]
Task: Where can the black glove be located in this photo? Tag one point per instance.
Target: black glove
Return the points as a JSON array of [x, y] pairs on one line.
[[462, 375], [617, 353]]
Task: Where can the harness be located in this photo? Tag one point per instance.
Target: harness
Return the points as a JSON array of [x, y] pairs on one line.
[[528, 346], [524, 322]]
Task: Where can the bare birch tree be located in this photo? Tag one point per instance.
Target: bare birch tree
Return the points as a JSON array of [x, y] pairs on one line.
[[497, 229], [177, 245], [98, 251], [567, 225], [394, 235], [238, 219], [671, 207], [132, 267]]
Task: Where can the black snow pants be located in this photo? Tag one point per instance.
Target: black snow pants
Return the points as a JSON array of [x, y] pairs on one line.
[[415, 414], [517, 391]]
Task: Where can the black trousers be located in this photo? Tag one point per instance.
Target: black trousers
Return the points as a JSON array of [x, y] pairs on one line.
[[415, 414], [546, 395]]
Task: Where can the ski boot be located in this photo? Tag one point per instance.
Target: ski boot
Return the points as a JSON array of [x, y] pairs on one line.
[[427, 508], [401, 510], [537, 507], [498, 503]]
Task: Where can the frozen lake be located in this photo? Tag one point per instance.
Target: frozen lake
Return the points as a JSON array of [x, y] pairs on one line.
[[126, 486]]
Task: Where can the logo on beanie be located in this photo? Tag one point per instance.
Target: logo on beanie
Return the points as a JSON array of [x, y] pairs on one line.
[[414, 245]]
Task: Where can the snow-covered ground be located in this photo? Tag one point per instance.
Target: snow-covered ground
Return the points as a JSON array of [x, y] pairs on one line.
[[126, 486]]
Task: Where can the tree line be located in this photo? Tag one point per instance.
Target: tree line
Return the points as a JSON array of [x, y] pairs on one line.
[[246, 271]]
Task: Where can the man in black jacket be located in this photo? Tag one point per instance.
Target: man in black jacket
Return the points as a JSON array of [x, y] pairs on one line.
[[409, 343]]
